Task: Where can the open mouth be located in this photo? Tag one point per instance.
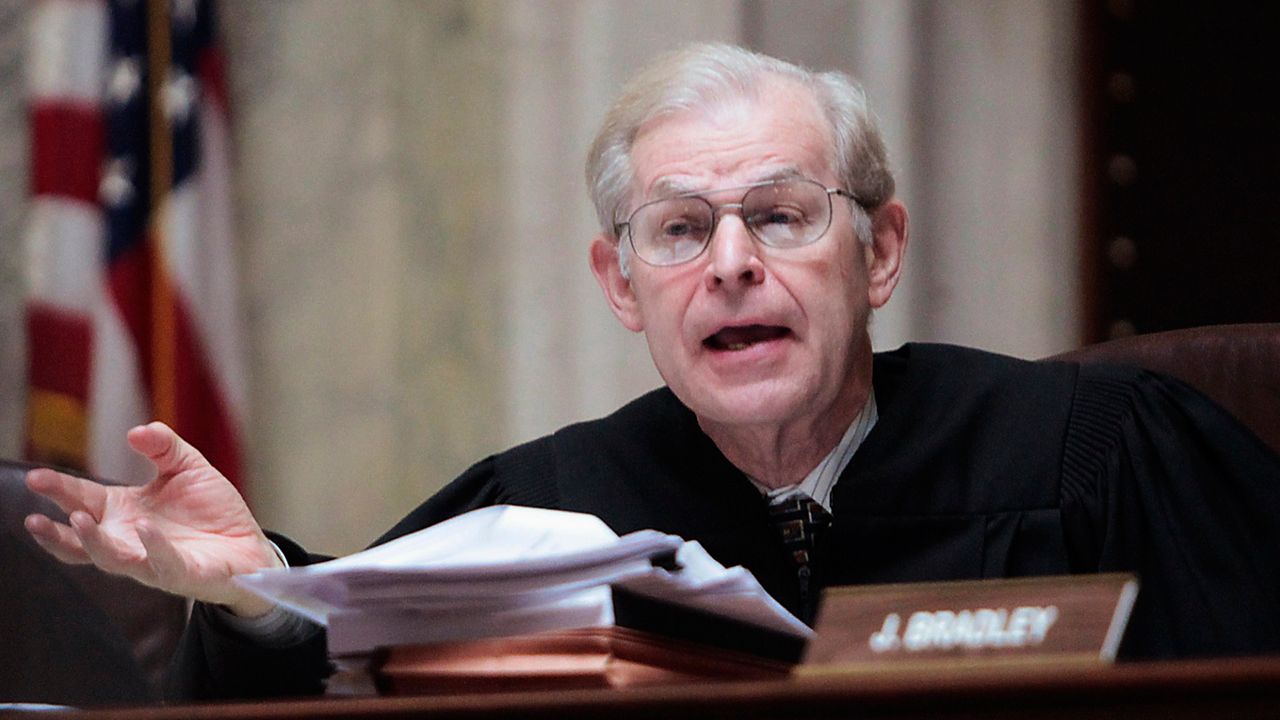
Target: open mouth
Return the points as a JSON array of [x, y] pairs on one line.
[[732, 339]]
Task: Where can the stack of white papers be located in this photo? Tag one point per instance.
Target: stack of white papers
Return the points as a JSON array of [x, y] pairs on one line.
[[509, 570]]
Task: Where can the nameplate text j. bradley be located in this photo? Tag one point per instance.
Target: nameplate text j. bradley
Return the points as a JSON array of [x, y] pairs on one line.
[[979, 628], [1068, 618]]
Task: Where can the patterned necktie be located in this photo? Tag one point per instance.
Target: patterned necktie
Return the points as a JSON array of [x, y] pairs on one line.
[[800, 519]]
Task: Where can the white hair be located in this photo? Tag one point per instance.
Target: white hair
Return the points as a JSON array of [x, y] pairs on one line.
[[702, 76]]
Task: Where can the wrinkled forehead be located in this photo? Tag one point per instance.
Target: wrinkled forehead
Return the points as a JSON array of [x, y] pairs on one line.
[[776, 132]]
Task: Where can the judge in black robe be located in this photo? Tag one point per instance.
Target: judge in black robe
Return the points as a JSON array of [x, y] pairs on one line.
[[980, 466]]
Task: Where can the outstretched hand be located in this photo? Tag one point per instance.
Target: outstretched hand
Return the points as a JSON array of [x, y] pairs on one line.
[[187, 532]]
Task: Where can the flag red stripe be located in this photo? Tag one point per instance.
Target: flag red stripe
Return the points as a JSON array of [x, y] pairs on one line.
[[211, 67], [60, 345], [67, 150], [202, 411], [129, 282]]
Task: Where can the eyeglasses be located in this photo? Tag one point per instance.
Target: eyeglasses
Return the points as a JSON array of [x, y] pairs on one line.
[[787, 213]]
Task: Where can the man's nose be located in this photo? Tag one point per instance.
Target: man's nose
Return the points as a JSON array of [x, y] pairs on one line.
[[734, 255]]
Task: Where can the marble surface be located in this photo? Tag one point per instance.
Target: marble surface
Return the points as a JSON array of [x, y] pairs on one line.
[[368, 198], [13, 193]]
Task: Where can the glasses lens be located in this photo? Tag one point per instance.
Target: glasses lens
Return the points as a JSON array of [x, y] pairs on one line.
[[787, 214], [671, 231]]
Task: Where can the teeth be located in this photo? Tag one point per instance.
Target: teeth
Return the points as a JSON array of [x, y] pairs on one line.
[[737, 346]]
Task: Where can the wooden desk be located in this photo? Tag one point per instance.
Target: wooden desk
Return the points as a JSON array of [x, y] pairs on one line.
[[1199, 689]]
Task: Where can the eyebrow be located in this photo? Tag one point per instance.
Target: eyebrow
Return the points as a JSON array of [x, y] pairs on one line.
[[675, 187]]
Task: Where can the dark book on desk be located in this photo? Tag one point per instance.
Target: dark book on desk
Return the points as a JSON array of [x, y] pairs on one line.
[[606, 657]]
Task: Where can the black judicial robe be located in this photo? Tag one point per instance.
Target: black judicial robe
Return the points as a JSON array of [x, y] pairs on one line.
[[980, 466]]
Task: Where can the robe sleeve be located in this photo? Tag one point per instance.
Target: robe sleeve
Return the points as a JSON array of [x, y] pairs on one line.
[[215, 661], [1160, 481]]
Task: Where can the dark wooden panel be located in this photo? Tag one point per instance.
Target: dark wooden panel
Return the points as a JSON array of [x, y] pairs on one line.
[[1184, 165]]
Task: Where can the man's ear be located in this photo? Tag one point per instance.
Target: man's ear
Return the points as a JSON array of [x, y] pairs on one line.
[[884, 255], [606, 266]]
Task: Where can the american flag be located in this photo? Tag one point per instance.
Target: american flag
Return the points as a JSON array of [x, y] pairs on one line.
[[132, 313]]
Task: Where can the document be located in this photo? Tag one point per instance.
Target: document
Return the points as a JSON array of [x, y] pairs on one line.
[[508, 570]]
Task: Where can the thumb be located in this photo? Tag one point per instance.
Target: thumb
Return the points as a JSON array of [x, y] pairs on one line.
[[164, 448]]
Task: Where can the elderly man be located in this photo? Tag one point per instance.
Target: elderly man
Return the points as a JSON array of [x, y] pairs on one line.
[[748, 230]]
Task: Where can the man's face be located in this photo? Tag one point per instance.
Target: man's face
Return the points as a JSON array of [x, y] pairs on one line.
[[747, 334]]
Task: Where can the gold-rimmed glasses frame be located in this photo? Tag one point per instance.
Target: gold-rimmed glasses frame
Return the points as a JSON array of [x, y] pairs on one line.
[[787, 213]]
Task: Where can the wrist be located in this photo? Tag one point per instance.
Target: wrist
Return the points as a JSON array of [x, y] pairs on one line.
[[249, 605]]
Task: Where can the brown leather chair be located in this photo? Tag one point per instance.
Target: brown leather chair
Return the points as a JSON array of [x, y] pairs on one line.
[[73, 635], [1238, 366]]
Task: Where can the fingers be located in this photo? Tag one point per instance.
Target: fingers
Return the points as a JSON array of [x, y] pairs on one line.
[[69, 492], [108, 552], [84, 541], [57, 539], [164, 448]]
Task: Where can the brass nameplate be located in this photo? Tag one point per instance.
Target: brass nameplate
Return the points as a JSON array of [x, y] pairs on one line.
[[1069, 618]]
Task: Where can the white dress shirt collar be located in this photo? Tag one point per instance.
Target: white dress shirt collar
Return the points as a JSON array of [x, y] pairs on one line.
[[819, 482]]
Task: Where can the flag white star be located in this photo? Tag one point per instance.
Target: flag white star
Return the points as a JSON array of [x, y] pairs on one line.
[[124, 81], [179, 96], [184, 13], [116, 187]]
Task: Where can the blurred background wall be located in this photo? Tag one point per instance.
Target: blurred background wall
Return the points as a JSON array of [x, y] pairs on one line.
[[413, 222]]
